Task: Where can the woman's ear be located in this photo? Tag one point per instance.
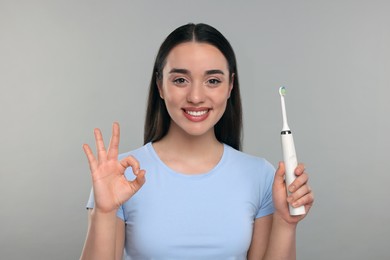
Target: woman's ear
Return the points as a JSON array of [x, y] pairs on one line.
[[159, 85], [231, 84]]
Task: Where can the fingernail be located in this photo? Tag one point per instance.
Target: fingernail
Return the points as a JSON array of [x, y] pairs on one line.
[[289, 199], [291, 188], [295, 204]]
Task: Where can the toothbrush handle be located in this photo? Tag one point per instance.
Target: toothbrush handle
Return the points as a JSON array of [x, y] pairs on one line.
[[291, 162]]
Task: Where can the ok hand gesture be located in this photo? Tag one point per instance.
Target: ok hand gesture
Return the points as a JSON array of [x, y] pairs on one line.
[[110, 186]]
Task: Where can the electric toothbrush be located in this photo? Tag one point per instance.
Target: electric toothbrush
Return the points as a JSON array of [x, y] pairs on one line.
[[289, 155]]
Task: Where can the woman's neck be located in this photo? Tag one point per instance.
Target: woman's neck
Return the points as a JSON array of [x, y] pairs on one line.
[[189, 154]]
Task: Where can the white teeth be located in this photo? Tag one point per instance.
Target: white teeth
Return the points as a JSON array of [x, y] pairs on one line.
[[196, 113]]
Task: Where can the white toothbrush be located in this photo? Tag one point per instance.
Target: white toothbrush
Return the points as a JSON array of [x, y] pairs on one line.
[[289, 155]]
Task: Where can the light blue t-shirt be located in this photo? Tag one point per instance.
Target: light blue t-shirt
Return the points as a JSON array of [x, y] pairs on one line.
[[206, 216]]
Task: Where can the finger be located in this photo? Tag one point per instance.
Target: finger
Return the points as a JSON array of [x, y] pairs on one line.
[[101, 150], [114, 142], [298, 182], [130, 161], [299, 193], [306, 200], [299, 169], [91, 158], [309, 205]]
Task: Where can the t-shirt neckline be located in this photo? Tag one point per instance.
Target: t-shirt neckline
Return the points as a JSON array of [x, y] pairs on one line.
[[224, 156]]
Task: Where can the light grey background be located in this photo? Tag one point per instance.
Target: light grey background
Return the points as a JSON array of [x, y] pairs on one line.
[[69, 66]]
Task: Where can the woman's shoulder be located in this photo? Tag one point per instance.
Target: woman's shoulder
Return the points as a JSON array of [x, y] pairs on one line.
[[248, 160], [137, 152]]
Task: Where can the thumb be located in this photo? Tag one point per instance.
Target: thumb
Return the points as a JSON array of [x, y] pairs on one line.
[[279, 174], [140, 179], [138, 182]]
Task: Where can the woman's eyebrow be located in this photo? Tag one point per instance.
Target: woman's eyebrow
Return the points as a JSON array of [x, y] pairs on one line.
[[210, 72], [187, 72], [181, 71]]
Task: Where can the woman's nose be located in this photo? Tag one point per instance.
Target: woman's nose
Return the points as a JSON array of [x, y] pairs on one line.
[[196, 93]]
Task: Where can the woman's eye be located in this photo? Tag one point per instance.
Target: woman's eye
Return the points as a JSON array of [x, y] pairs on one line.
[[214, 81], [179, 81]]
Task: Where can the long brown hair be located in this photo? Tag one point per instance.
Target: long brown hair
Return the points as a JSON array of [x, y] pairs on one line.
[[228, 129]]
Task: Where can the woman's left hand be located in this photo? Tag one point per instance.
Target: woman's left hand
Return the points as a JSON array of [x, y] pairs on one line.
[[300, 193]]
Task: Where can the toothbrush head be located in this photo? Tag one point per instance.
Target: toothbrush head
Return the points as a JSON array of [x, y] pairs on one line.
[[282, 91]]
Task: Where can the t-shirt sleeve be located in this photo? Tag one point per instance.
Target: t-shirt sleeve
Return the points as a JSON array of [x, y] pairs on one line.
[[91, 204], [91, 200], [266, 206]]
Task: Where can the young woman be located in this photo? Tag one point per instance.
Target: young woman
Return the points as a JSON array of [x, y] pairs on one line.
[[203, 197]]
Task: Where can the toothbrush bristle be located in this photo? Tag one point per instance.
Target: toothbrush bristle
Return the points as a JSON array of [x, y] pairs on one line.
[[282, 91]]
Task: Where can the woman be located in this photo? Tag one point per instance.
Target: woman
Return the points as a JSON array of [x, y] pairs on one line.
[[203, 198]]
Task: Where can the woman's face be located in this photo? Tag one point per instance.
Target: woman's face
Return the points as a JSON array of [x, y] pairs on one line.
[[195, 87]]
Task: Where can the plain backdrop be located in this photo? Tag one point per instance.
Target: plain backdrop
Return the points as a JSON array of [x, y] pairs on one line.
[[67, 67]]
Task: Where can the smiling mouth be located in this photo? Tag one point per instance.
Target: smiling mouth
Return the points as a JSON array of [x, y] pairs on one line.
[[196, 113]]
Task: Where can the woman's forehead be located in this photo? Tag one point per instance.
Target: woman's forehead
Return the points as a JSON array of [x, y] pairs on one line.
[[195, 56]]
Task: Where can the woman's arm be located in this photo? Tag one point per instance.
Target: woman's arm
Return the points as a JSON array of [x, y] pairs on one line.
[[272, 239], [274, 236], [111, 188], [105, 236], [282, 242], [260, 238]]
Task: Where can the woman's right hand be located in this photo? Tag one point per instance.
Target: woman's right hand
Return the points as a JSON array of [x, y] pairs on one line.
[[110, 186]]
